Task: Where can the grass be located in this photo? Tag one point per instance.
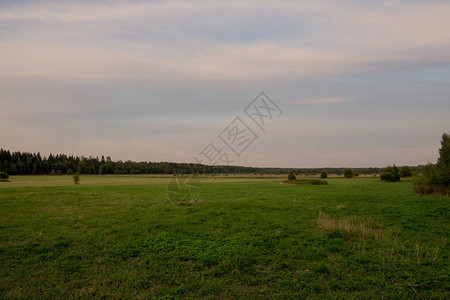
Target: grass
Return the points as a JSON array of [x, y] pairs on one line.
[[353, 227], [120, 237]]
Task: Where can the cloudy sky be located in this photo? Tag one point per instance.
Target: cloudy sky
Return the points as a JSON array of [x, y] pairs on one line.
[[360, 83]]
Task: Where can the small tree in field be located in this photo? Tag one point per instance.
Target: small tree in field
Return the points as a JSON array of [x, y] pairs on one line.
[[348, 173], [390, 174], [356, 173], [291, 176], [443, 162], [76, 178], [324, 175], [444, 153], [4, 175], [405, 171]]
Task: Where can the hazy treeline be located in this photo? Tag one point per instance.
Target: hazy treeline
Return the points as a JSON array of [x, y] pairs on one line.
[[24, 163]]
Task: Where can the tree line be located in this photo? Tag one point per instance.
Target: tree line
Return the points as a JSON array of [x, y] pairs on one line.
[[25, 163]]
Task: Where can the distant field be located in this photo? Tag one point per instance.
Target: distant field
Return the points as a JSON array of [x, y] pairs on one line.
[[121, 237]]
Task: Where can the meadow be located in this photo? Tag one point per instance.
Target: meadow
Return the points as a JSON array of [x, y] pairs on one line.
[[122, 237]]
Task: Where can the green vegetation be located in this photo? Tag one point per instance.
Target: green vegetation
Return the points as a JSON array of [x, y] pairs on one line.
[[120, 237], [4, 176], [390, 174], [306, 181], [24, 163], [324, 174], [444, 152], [348, 173], [435, 179], [291, 176], [405, 171], [76, 178]]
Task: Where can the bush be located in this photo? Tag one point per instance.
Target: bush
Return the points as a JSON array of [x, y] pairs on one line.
[[324, 175], [356, 173], [390, 174], [405, 171], [76, 178], [423, 186], [4, 175], [435, 179], [291, 176], [307, 182], [348, 173]]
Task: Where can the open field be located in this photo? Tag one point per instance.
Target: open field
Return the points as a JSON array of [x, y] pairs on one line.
[[120, 237]]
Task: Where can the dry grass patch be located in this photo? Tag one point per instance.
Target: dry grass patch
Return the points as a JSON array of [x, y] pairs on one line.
[[392, 246], [354, 227]]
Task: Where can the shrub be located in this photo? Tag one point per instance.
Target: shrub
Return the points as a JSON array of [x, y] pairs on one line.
[[76, 178], [4, 175], [291, 176], [307, 182], [356, 173], [390, 174], [432, 180], [348, 173], [324, 175], [423, 186], [405, 171], [435, 179]]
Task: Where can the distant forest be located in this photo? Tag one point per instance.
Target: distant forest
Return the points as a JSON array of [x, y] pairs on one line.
[[24, 163]]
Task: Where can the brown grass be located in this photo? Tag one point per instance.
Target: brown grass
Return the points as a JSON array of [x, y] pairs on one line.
[[393, 247], [355, 227]]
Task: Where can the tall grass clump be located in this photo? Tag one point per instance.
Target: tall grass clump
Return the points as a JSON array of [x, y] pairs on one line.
[[354, 227]]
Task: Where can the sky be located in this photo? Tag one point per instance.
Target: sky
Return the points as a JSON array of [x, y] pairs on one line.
[[358, 83]]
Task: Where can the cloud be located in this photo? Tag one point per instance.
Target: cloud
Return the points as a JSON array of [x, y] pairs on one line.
[[177, 40], [93, 75], [328, 100]]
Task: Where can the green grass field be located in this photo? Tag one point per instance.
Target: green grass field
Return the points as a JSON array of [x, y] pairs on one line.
[[120, 237]]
